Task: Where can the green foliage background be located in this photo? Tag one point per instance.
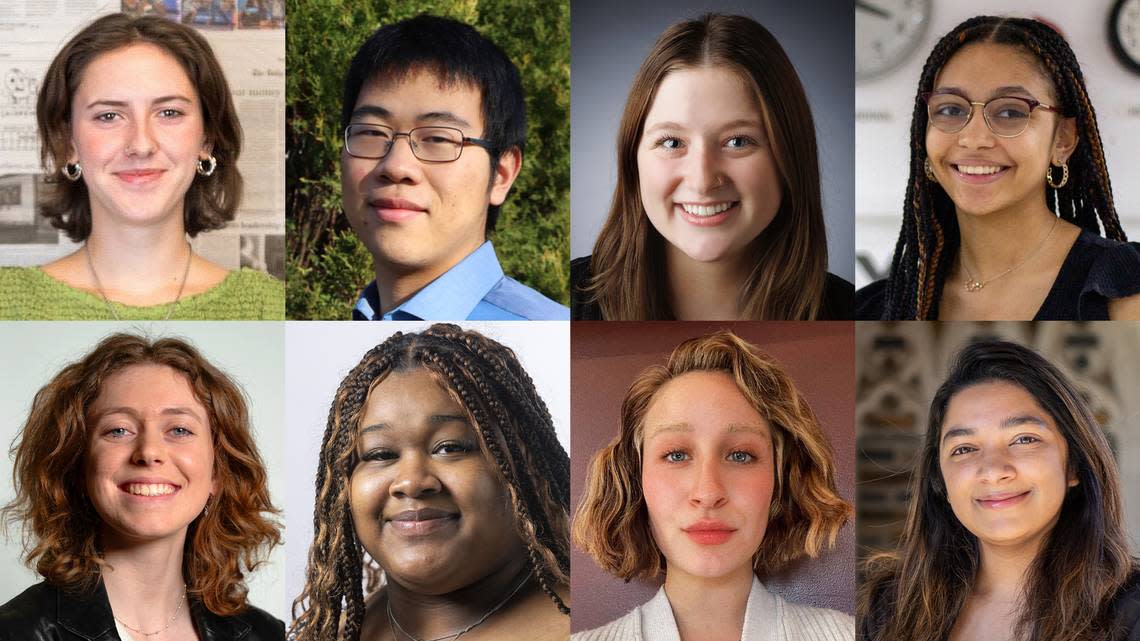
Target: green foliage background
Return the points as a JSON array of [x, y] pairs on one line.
[[327, 265]]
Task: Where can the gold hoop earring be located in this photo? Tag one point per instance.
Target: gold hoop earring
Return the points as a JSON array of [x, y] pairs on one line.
[[207, 165], [72, 171], [929, 171], [1064, 175]]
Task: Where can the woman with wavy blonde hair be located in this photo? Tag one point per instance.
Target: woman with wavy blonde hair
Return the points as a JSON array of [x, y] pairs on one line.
[[143, 499], [720, 471]]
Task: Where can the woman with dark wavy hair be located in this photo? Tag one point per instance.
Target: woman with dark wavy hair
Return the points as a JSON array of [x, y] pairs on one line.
[[717, 212], [1008, 189], [140, 139], [1015, 529], [440, 461], [143, 499]]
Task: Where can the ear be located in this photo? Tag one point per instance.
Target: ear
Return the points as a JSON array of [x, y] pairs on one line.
[[1065, 140], [510, 162]]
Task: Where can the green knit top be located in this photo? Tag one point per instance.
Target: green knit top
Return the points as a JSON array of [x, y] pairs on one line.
[[27, 293]]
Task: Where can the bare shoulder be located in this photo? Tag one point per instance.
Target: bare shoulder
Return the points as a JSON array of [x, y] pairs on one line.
[[1127, 308]]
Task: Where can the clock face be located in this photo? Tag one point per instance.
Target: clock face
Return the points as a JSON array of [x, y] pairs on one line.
[[886, 34], [1124, 32]]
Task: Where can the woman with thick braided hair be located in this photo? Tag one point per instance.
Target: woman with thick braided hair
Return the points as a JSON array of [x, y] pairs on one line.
[[440, 461], [1008, 194]]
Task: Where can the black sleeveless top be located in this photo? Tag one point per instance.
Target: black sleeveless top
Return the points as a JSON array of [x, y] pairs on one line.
[[1096, 271]]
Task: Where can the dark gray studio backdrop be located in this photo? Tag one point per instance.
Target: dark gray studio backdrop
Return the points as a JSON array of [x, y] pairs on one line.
[[610, 39]]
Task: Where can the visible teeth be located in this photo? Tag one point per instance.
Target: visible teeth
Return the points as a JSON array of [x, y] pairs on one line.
[[978, 170], [150, 489], [705, 210]]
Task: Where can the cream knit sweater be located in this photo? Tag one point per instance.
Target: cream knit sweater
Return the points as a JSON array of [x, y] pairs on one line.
[[767, 617]]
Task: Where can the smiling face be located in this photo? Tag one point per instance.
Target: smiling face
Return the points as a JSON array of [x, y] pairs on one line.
[[709, 181], [150, 456], [707, 475], [980, 171], [138, 132], [1005, 464], [414, 215], [426, 502]]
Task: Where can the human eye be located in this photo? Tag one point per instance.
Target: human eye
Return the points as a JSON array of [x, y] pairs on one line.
[[454, 448], [961, 450], [740, 456], [181, 431], [116, 431], [107, 117], [1026, 439], [170, 112], [669, 143], [1010, 111], [379, 454], [740, 142], [676, 456]]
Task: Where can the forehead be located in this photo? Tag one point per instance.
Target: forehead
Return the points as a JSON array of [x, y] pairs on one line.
[[407, 397], [142, 70], [146, 385], [987, 405], [706, 401], [704, 96], [980, 68], [419, 93]]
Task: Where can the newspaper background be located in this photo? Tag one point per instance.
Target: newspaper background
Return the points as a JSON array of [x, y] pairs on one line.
[[248, 39]]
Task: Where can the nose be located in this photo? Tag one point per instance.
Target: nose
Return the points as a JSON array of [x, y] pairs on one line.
[[995, 465], [704, 170], [141, 142], [976, 133], [414, 477], [708, 487], [400, 165], [149, 448]]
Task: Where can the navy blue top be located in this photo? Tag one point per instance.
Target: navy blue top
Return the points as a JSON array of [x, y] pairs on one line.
[[1096, 271]]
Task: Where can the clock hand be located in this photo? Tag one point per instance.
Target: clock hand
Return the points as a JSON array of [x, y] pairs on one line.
[[870, 8]]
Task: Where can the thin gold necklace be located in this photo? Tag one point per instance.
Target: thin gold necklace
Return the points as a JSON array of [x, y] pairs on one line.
[[171, 306], [974, 285], [165, 627]]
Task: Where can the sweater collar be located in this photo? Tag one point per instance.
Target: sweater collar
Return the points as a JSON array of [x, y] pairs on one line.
[[763, 619]]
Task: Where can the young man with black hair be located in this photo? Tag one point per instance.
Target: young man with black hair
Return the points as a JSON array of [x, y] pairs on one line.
[[434, 131]]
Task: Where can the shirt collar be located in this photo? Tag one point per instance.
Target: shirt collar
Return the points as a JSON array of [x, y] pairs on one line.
[[761, 617], [452, 296]]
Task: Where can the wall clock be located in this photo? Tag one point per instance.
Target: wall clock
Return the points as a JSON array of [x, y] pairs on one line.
[[1124, 33], [887, 32]]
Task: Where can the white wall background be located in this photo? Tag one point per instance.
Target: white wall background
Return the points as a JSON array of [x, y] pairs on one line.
[[320, 354], [249, 352], [883, 113]]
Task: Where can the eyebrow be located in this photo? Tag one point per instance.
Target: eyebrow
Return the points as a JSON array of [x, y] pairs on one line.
[[124, 103], [683, 427], [996, 93], [1006, 423], [430, 116], [433, 420], [166, 411]]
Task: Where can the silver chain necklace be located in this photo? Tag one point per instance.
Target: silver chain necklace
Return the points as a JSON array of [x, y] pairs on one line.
[[395, 625], [165, 627], [172, 305]]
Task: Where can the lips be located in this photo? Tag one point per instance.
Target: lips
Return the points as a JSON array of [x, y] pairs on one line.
[[140, 176], [708, 214], [978, 172], [422, 522], [147, 488], [1001, 500], [395, 210], [709, 531]]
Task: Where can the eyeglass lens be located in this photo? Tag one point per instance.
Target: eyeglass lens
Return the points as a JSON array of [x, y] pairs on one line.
[[1005, 116], [433, 144]]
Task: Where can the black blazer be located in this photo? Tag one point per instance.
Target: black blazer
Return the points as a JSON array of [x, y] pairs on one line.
[[45, 613]]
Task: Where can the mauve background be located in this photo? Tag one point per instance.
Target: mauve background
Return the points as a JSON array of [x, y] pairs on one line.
[[605, 358], [609, 40]]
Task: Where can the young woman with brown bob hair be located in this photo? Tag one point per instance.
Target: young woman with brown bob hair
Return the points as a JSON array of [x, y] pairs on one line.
[[1015, 529], [717, 213], [141, 140], [720, 471], [143, 499]]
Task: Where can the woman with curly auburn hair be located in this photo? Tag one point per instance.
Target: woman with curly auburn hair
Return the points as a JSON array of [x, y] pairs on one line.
[[140, 140], [720, 471], [1016, 529], [143, 499], [441, 480]]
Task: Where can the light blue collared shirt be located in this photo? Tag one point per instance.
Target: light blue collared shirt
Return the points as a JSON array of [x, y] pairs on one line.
[[475, 289]]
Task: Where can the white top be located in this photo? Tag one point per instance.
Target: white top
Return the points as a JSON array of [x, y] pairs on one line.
[[766, 618]]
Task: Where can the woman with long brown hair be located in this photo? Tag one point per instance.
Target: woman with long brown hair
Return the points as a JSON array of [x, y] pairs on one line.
[[442, 482], [143, 499], [717, 212], [1016, 529]]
